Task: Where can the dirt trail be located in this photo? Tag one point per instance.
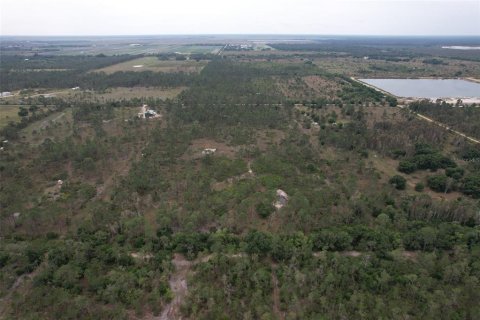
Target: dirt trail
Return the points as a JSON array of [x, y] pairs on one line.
[[224, 184], [17, 285], [276, 297], [46, 122], [471, 139], [183, 267], [178, 285], [442, 125]]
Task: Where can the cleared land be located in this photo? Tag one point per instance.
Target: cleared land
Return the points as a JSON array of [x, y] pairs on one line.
[[56, 126], [117, 48], [130, 93], [156, 65], [8, 114]]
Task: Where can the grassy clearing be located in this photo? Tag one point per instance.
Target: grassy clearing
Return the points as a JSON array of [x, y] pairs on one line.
[[32, 93], [142, 49], [156, 65], [56, 127], [7, 114], [130, 93]]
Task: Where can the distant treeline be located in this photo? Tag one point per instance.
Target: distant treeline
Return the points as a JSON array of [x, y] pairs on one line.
[[15, 75], [98, 80], [77, 63], [387, 50]]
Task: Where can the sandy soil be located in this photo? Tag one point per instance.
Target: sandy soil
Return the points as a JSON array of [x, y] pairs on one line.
[[179, 287]]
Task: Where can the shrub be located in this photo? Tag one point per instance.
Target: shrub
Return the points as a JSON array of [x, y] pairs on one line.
[[455, 173], [264, 209], [4, 257], [272, 181], [407, 166], [419, 187], [471, 186], [258, 242], [470, 153], [438, 183], [398, 153], [398, 182]]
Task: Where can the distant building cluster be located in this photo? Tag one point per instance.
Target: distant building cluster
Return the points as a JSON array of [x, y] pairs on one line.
[[239, 47]]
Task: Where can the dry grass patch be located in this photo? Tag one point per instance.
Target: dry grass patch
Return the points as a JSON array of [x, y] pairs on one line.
[[155, 65], [308, 87], [198, 145], [388, 168], [8, 114], [56, 127], [120, 93]]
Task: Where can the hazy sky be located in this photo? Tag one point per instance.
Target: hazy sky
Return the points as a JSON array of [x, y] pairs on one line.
[[133, 17]]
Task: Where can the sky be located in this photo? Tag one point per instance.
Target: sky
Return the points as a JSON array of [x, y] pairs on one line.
[[159, 17]]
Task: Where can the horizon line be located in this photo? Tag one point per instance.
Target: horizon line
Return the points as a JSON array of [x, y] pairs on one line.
[[241, 34]]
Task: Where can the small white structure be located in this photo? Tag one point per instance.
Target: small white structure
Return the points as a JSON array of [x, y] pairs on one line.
[[6, 94], [208, 151], [150, 113], [146, 113], [76, 88], [282, 199]]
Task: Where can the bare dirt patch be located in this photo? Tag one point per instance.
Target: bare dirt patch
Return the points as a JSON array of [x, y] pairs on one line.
[[269, 138], [410, 255], [276, 297], [199, 145], [179, 287], [352, 253]]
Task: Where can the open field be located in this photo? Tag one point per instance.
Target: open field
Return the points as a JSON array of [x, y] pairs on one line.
[[130, 93], [7, 114], [56, 127], [148, 48], [35, 93], [107, 46], [156, 65]]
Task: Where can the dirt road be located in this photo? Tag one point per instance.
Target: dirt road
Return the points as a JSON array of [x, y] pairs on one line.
[[469, 138], [178, 285]]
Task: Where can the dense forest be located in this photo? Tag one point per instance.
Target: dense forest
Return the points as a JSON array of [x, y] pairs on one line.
[[265, 189]]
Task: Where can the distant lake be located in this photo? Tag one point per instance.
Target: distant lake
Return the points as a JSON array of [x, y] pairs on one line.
[[427, 88]]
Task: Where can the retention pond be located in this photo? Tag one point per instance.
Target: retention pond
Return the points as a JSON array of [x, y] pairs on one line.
[[427, 88]]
